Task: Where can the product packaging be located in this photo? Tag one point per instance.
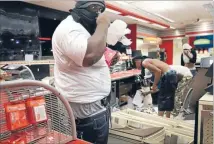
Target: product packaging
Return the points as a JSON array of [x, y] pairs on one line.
[[36, 110], [110, 57], [15, 139], [16, 116]]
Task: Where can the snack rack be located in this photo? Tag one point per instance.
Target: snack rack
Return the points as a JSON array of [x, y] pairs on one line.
[[58, 127]]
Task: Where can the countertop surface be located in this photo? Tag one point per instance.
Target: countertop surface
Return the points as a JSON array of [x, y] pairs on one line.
[[125, 74], [207, 97]]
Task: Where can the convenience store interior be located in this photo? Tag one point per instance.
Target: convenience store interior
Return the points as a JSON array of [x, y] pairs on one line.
[[154, 28]]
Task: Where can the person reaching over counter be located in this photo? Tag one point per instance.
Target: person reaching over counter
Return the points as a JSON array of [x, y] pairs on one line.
[[80, 71], [168, 80], [170, 77]]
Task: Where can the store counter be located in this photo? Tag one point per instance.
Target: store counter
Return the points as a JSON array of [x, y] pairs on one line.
[[122, 84], [205, 119], [124, 74]]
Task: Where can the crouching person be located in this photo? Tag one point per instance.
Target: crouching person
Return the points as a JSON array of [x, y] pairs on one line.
[[168, 80]]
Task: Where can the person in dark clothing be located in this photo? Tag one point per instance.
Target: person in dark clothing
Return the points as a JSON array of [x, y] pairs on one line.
[[137, 63], [188, 58], [118, 47]]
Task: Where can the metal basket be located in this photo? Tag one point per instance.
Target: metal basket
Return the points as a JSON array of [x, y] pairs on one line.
[[60, 126]]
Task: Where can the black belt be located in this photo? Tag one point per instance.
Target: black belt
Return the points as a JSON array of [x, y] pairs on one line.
[[106, 101]]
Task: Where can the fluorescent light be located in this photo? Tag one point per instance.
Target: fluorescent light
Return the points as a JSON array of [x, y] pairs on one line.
[[112, 11], [163, 17], [160, 26], [140, 20]]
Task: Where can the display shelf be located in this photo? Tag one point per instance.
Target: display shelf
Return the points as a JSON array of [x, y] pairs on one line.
[[205, 114], [35, 62], [140, 126]]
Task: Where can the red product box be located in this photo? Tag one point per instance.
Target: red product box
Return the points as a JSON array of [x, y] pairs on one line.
[[110, 56], [15, 139], [36, 110], [16, 116]]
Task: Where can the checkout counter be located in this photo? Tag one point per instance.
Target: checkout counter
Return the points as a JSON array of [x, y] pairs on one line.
[[122, 79], [122, 83]]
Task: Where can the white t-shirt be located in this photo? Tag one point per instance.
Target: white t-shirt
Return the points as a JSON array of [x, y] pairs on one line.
[[77, 83], [181, 70]]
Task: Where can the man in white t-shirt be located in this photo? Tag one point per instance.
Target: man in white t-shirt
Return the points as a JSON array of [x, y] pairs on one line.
[[81, 73]]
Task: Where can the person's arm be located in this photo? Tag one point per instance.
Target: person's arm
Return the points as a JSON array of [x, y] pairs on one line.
[[157, 73], [194, 58], [182, 60], [189, 54], [155, 70], [97, 42]]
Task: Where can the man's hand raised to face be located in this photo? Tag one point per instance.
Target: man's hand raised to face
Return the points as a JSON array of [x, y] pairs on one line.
[[103, 19], [97, 42]]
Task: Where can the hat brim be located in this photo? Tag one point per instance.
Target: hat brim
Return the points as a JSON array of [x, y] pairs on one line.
[[93, 3]]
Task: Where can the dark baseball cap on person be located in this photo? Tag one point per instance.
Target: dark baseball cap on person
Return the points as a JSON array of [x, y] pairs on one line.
[[85, 4]]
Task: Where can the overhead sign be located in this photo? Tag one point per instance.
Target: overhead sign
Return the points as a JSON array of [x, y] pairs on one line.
[[202, 42]]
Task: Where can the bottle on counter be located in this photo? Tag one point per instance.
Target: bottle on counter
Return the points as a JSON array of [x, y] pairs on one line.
[[129, 64]]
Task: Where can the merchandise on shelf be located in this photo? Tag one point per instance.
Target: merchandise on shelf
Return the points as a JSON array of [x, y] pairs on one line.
[[16, 116], [15, 139], [4, 75], [36, 109], [110, 56]]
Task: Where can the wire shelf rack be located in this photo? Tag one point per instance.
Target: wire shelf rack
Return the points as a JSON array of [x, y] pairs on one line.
[[59, 127]]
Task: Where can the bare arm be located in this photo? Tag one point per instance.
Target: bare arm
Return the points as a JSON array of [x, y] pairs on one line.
[[97, 42], [156, 71], [188, 54], [96, 46]]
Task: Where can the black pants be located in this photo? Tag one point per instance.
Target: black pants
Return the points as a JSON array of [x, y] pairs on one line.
[[167, 91], [94, 129]]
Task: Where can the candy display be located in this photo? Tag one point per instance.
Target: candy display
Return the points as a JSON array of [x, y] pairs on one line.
[[36, 110], [16, 115], [15, 139]]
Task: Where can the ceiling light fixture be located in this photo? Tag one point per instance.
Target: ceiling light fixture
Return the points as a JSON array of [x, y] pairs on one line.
[[157, 25], [140, 20], [112, 11]]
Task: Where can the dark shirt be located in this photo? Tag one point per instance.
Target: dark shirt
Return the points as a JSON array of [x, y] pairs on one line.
[[118, 47]]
